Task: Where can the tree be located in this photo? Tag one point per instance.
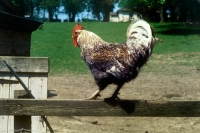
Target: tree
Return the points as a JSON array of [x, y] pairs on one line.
[[96, 7], [184, 10], [138, 5], [101, 6], [180, 10], [149, 9], [51, 6], [27, 6], [73, 7], [108, 7]]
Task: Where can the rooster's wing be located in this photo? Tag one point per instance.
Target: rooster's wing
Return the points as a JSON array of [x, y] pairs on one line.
[[112, 59]]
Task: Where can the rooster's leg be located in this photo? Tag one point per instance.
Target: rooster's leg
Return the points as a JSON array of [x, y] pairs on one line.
[[94, 96], [114, 96]]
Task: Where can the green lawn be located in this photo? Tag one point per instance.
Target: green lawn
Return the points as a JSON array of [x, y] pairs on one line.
[[54, 40]]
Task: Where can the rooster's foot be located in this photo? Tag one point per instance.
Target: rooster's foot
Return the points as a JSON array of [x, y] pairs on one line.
[[94, 96]]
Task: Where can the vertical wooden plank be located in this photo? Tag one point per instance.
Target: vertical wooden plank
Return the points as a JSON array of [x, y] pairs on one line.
[[38, 125], [11, 95], [38, 87], [5, 121], [3, 126], [25, 78], [10, 124], [1, 87], [13, 87], [6, 88], [10, 117], [1, 96]]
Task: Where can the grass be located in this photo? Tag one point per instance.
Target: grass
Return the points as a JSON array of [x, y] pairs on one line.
[[54, 41], [177, 37]]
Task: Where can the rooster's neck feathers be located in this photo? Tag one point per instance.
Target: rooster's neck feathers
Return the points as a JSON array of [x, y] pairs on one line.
[[89, 40]]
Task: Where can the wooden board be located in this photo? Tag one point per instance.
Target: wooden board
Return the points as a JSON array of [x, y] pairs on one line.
[[38, 87], [100, 108], [6, 122], [25, 64], [37, 83]]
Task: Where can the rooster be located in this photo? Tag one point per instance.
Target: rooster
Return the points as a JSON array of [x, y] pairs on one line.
[[115, 63]]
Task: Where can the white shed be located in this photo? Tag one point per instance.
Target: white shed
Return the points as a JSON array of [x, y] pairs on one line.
[[114, 17], [122, 15]]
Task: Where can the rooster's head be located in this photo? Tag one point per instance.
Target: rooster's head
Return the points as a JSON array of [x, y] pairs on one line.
[[75, 33]]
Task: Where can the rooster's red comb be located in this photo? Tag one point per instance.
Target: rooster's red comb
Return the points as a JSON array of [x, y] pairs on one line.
[[75, 34], [78, 27]]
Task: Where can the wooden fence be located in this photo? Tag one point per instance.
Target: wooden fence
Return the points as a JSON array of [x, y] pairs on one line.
[[134, 108], [33, 71]]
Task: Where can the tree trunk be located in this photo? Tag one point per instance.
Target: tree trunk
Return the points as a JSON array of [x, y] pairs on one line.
[[162, 15], [107, 10], [31, 10], [50, 14], [73, 17], [98, 16]]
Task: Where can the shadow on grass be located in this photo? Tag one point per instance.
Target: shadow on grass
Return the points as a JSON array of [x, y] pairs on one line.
[[180, 31], [177, 29]]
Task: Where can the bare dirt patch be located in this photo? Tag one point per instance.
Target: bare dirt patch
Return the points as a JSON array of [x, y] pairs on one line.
[[148, 85], [145, 87]]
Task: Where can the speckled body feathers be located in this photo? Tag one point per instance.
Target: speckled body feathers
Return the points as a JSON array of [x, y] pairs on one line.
[[113, 62]]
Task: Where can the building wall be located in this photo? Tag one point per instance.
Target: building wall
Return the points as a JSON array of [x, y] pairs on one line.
[[120, 17], [14, 43], [114, 19], [3, 7], [15, 34], [124, 17]]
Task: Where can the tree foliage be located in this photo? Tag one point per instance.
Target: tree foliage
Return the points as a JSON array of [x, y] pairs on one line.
[[103, 7], [140, 4], [180, 9], [27, 6], [96, 7], [73, 7], [108, 7], [51, 6], [184, 10]]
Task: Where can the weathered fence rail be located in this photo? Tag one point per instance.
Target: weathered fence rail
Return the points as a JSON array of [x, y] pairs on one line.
[[143, 108]]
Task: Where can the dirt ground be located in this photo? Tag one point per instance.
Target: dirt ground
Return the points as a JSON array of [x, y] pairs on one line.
[[148, 86]]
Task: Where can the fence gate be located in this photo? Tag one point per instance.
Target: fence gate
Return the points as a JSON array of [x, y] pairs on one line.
[[34, 73]]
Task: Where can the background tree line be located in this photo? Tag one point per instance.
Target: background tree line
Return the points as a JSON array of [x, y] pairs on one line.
[[165, 10], [154, 10], [72, 7]]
